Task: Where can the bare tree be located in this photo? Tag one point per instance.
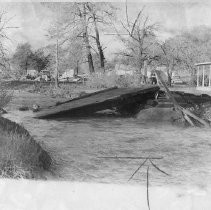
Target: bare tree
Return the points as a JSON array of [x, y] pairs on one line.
[[4, 27], [55, 33], [100, 14], [75, 25], [81, 21], [97, 36], [169, 57], [180, 53], [81, 12], [141, 37]]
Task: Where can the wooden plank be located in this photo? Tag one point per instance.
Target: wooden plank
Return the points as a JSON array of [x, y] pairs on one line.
[[189, 120], [203, 122], [167, 90], [98, 101], [87, 95]]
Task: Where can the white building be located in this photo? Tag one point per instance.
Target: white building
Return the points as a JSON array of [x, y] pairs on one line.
[[32, 72], [203, 73], [68, 74], [121, 69]]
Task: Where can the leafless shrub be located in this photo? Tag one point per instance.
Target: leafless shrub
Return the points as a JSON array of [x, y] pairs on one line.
[[192, 81], [63, 91], [5, 97]]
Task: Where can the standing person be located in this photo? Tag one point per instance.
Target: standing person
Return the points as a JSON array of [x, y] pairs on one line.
[[153, 78]]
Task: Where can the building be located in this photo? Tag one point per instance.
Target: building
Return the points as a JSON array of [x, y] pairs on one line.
[[203, 76], [68, 74], [32, 72], [122, 70]]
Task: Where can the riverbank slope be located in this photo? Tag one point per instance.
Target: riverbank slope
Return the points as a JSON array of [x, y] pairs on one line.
[[21, 156]]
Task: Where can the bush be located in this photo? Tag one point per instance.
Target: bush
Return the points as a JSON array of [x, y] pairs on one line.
[[5, 97], [96, 81], [192, 81], [63, 91]]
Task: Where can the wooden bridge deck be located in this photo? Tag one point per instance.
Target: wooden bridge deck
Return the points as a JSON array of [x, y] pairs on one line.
[[101, 100]]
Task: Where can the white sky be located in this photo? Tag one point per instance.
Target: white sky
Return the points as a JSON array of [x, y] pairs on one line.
[[32, 19]]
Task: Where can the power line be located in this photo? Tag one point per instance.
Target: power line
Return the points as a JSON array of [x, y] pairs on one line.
[[111, 34]]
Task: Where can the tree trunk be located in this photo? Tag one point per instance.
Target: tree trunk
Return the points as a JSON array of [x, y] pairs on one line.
[[140, 65], [100, 50], [76, 68], [145, 68], [169, 75], [140, 61], [144, 81], [26, 66], [86, 41]]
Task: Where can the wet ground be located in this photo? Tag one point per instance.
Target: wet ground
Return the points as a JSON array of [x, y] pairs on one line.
[[77, 145]]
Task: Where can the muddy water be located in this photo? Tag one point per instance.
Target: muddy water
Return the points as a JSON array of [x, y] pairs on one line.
[[77, 144]]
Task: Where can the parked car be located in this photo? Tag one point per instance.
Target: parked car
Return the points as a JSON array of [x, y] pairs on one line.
[[42, 78], [74, 79], [45, 75], [61, 79], [31, 74], [176, 79], [83, 77], [30, 77]]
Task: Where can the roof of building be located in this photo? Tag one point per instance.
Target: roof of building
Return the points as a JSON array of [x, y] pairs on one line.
[[201, 64]]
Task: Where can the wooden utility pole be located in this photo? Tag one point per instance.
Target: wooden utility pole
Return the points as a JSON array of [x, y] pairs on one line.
[[57, 48], [57, 62]]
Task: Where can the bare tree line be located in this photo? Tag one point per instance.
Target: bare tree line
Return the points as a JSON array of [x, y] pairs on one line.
[[75, 37]]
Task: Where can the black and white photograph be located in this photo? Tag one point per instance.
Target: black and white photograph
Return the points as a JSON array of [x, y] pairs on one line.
[[105, 105]]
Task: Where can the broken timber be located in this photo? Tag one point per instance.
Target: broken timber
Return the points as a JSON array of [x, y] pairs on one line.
[[127, 100], [187, 115], [186, 100]]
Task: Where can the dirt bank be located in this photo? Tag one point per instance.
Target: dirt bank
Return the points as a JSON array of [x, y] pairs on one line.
[[164, 115], [21, 156]]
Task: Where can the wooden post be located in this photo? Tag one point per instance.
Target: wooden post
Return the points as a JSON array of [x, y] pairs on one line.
[[203, 75], [197, 73]]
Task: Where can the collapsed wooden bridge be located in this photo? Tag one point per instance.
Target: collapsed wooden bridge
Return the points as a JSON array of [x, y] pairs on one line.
[[124, 100], [128, 101], [191, 118]]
